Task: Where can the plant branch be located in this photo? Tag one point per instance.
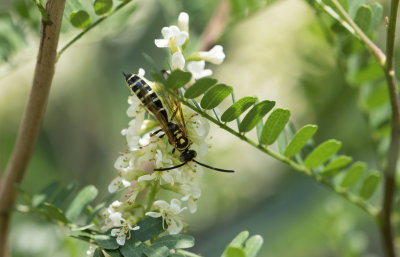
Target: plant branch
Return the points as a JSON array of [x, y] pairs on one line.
[[350, 25], [73, 40], [371, 210], [29, 129], [393, 153]]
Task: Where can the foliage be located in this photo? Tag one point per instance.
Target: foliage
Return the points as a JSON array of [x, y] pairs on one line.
[[347, 23]]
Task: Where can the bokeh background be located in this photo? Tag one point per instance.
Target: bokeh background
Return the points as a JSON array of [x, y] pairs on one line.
[[277, 53]]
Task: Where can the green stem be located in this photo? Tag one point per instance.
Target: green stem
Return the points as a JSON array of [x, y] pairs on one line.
[[72, 41], [386, 223], [350, 25], [43, 12], [151, 196]]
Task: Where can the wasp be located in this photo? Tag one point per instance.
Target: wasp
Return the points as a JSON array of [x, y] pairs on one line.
[[176, 131]]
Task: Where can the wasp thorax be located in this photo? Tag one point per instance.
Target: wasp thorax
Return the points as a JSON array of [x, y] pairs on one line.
[[187, 155]]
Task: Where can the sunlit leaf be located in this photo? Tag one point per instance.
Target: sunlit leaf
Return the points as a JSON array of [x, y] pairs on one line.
[[253, 246], [81, 200], [353, 174], [80, 19], [275, 123], [213, 97], [234, 251], [255, 115], [369, 185], [322, 153], [239, 107], [300, 139], [178, 79], [102, 6], [199, 87]]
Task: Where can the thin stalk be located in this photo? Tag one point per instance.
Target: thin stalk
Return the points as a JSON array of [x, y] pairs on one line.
[[34, 111], [379, 55], [94, 24], [393, 153], [234, 101]]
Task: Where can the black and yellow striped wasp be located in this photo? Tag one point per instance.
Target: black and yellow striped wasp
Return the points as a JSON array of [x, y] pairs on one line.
[[174, 128]]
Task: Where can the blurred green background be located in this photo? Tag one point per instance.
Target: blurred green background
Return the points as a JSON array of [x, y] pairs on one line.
[[278, 53]]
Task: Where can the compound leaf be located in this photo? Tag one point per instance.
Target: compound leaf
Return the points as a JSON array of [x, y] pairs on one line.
[[255, 115], [213, 97], [322, 153], [239, 107], [274, 125], [300, 139], [199, 87]]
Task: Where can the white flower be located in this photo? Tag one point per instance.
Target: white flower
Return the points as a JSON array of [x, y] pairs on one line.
[[197, 69], [122, 232], [183, 21], [117, 184], [173, 38], [141, 72], [177, 61], [191, 193], [169, 213], [214, 55], [90, 251]]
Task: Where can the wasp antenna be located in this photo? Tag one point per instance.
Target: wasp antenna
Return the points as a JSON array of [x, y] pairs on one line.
[[126, 75], [170, 168], [212, 168]]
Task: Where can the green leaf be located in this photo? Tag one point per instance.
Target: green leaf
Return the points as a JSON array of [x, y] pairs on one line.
[[300, 139], [322, 153], [199, 87], [53, 212], [363, 17], [369, 185], [377, 10], [156, 251], [253, 245], [255, 115], [353, 174], [80, 19], [213, 97], [132, 248], [338, 163], [344, 4], [114, 253], [82, 199], [371, 72], [378, 97], [178, 241], [62, 196], [239, 107], [82, 228], [155, 71], [106, 242], [102, 6], [281, 142], [275, 123], [178, 79], [149, 228], [98, 253], [234, 251], [240, 238]]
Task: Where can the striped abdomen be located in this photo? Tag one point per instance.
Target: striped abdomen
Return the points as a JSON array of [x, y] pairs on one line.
[[181, 143], [146, 95]]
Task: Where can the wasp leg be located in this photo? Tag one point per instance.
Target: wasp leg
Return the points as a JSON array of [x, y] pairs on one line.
[[155, 132], [161, 136], [173, 151]]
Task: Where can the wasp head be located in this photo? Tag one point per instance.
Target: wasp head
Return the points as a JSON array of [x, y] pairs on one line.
[[187, 155]]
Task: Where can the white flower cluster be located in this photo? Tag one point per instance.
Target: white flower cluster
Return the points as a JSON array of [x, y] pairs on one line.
[[136, 175]]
